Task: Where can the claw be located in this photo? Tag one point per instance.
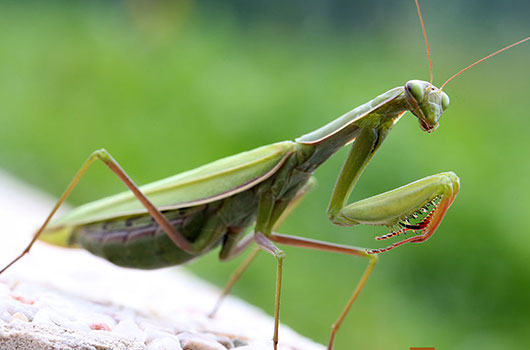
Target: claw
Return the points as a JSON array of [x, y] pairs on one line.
[[427, 225], [378, 250], [389, 235]]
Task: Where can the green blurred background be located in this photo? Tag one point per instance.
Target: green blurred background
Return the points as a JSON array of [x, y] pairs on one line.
[[168, 86]]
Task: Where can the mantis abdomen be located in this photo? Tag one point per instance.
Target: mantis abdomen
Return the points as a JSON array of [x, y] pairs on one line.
[[138, 241]]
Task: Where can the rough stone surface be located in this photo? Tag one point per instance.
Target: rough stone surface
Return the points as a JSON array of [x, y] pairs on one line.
[[63, 299]]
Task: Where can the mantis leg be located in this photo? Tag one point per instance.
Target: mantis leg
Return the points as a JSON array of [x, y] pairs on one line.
[[335, 248], [424, 201], [265, 243], [229, 251], [113, 165]]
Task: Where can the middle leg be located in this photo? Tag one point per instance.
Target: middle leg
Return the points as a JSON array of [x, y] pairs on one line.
[[335, 248], [234, 248]]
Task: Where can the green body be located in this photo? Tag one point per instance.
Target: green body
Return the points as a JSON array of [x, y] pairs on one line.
[[134, 240], [216, 204]]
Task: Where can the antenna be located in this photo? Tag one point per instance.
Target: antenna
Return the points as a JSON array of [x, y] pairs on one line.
[[483, 59], [425, 37]]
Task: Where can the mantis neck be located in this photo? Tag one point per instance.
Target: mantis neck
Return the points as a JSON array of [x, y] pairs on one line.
[[379, 114]]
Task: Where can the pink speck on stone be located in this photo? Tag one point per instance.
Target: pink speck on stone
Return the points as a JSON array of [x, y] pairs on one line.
[[100, 327], [24, 299]]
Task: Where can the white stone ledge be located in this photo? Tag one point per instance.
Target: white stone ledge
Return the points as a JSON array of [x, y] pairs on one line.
[[67, 299]]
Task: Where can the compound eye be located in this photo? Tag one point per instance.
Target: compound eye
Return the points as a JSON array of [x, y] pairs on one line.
[[416, 90], [445, 101]]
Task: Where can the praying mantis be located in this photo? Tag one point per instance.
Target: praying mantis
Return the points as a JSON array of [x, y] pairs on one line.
[[183, 217]]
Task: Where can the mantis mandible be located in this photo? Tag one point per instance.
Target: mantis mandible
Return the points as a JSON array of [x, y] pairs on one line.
[[177, 219]]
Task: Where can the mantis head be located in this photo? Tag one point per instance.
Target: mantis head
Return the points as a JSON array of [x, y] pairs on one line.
[[426, 102]]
